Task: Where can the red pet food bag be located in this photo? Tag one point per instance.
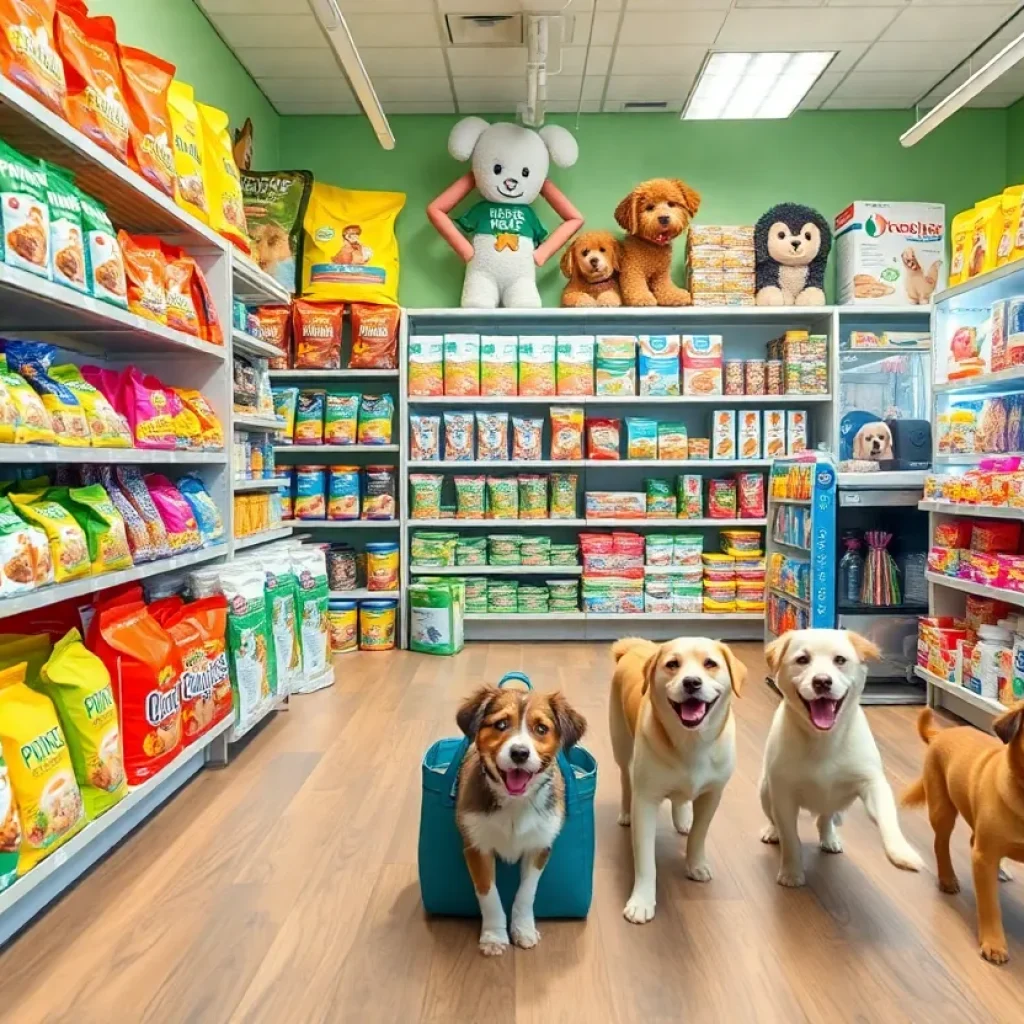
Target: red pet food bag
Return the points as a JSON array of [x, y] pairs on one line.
[[28, 51]]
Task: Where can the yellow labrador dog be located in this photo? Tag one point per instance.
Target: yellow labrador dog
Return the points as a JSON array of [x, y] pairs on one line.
[[820, 753], [673, 735]]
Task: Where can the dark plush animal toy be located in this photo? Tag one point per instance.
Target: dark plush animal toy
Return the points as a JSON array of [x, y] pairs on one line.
[[791, 247]]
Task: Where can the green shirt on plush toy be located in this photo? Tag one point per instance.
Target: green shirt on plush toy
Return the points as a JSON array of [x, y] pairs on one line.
[[486, 218]]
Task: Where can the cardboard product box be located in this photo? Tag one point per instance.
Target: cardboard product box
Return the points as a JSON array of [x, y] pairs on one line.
[[796, 431], [774, 433], [749, 434], [890, 253], [723, 434]]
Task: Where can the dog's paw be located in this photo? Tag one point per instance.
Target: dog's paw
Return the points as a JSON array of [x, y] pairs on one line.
[[624, 818], [791, 878], [493, 943], [699, 872], [906, 857], [831, 844], [682, 818], [1004, 874], [644, 300], [609, 299], [949, 885], [524, 933], [994, 954], [639, 909], [770, 835]]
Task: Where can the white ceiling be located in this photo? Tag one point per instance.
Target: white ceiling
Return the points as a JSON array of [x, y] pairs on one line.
[[890, 53]]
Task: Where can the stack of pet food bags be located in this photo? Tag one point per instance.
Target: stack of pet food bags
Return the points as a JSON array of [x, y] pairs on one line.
[[721, 264], [672, 575], [613, 572], [804, 362], [734, 580]]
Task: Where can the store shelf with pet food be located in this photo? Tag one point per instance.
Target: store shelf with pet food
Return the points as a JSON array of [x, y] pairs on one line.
[[331, 376], [48, 880], [952, 508], [273, 484], [249, 345], [634, 318], [365, 594], [498, 570], [133, 204], [675, 524], [459, 465], [55, 454], [1014, 597], [347, 524], [594, 401], [264, 424], [263, 537], [802, 601], [981, 290], [802, 551], [308, 452], [604, 627], [959, 699], [34, 307], [1010, 379], [254, 286]]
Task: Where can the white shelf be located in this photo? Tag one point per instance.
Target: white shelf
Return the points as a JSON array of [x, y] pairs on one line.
[[806, 552], [970, 458], [329, 375], [981, 383], [725, 401], [854, 312], [789, 501], [979, 282], [248, 345], [273, 484], [676, 524], [53, 594], [334, 449], [555, 464], [513, 617], [33, 454], [270, 425], [31, 304], [349, 524], [953, 508], [980, 589], [789, 597], [263, 537], [238, 732], [363, 594], [498, 570], [666, 317], [986, 704], [254, 286], [882, 480], [47, 880], [492, 524]]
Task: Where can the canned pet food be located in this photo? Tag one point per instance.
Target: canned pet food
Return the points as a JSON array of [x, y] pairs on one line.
[[341, 568], [773, 377], [733, 376], [377, 625], [342, 624], [310, 497], [754, 376], [343, 494], [382, 566]]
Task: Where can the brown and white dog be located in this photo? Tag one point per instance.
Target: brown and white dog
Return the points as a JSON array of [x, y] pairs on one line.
[[873, 442], [591, 263], [919, 285], [511, 799], [674, 737]]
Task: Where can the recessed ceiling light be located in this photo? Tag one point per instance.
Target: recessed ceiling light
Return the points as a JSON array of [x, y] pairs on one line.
[[734, 86]]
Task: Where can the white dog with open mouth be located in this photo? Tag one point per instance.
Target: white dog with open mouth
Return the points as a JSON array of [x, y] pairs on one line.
[[820, 753]]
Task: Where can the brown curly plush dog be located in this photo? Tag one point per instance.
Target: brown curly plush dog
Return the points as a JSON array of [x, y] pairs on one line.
[[592, 265], [654, 214]]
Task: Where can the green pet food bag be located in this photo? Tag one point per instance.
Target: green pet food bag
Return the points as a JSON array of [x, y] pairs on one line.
[[436, 617]]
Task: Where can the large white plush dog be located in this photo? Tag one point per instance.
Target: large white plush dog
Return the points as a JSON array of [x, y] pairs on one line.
[[820, 753], [510, 168]]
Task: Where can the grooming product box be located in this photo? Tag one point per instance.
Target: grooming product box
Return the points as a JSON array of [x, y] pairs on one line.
[[890, 254]]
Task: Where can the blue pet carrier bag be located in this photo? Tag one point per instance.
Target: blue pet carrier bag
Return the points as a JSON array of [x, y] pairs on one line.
[[567, 884]]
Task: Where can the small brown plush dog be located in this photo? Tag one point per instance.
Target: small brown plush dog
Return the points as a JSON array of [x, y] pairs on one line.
[[654, 214], [591, 263], [968, 772]]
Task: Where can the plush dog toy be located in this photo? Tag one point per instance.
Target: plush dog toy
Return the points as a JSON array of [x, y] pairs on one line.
[[654, 214], [510, 168], [791, 247], [591, 263]]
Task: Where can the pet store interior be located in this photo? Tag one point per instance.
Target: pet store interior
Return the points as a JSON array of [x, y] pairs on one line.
[[625, 407]]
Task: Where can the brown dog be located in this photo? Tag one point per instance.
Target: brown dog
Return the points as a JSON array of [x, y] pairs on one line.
[[968, 772], [591, 263], [654, 214]]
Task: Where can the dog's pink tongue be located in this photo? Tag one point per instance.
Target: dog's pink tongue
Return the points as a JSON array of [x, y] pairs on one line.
[[516, 781], [823, 712], [692, 711]]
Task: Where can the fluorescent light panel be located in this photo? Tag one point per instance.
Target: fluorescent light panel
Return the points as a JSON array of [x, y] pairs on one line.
[[738, 86]]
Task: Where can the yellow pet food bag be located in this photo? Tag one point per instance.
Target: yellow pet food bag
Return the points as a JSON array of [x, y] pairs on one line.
[[959, 242], [39, 763], [79, 685], [350, 252], [986, 231], [190, 188], [68, 546], [1010, 211], [220, 178], [32, 423]]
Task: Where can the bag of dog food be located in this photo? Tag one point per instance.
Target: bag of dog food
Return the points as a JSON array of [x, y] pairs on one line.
[[282, 612], [537, 365], [24, 213], [566, 433], [208, 517], [188, 145], [374, 337], [341, 414], [492, 436], [375, 413], [176, 513], [147, 410], [350, 252], [179, 290], [211, 432], [574, 365], [28, 53], [104, 263], [25, 561], [69, 549], [96, 105], [220, 178], [424, 438], [499, 364], [132, 484], [139, 542], [102, 524], [39, 765], [462, 364], [32, 423], [67, 250], [147, 80], [10, 828], [204, 682], [316, 335], [309, 566], [616, 365], [309, 417], [78, 683], [251, 661], [379, 493], [275, 209], [31, 360], [426, 364], [145, 270]]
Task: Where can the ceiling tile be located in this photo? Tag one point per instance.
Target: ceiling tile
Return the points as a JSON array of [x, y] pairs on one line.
[[779, 3], [796, 28], [937, 57], [318, 107], [893, 84], [403, 62], [589, 107], [490, 90], [649, 87], [994, 99], [849, 54], [641, 28], [272, 62], [658, 60], [480, 62], [875, 103], [487, 107], [384, 6], [951, 3], [413, 107], [597, 61], [821, 90], [605, 27], [296, 90], [270, 30], [427, 90], [394, 30], [915, 24], [250, 7]]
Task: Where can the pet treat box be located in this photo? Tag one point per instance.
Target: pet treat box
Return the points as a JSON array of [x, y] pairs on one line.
[[890, 254]]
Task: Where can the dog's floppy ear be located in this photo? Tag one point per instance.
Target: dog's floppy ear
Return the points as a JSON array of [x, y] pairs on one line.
[[737, 670], [1007, 725], [571, 724], [650, 667], [473, 709], [866, 650], [689, 197], [626, 212], [615, 251], [565, 264], [775, 652]]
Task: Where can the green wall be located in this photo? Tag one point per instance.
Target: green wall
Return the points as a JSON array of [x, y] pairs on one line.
[[179, 32], [1014, 144], [824, 159]]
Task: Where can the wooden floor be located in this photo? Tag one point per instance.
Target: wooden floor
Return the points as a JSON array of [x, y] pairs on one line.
[[284, 888]]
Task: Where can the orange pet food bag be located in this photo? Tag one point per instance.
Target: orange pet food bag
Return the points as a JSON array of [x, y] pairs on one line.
[[147, 80], [28, 52], [209, 617], [96, 103], [146, 270]]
